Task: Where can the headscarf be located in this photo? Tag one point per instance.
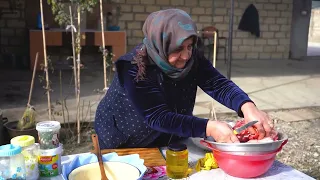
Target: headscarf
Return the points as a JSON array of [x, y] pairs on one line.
[[164, 32]]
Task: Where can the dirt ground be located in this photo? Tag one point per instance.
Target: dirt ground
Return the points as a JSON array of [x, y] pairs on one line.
[[302, 151], [303, 148]]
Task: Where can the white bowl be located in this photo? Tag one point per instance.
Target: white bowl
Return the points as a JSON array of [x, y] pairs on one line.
[[114, 171]]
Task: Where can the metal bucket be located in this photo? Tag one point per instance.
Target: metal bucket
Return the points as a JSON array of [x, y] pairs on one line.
[[251, 148]]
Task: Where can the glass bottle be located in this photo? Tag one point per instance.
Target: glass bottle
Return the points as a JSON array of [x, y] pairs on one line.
[[177, 161]]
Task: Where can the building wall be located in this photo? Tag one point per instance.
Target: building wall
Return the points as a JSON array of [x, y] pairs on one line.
[[13, 34], [275, 19], [314, 29]]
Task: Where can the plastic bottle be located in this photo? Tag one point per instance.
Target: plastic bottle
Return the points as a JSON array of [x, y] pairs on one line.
[[12, 162], [39, 24], [29, 152]]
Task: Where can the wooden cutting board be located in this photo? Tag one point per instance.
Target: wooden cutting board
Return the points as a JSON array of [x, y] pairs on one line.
[[152, 156]]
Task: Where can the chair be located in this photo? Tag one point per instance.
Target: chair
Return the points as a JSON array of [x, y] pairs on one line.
[[207, 33]]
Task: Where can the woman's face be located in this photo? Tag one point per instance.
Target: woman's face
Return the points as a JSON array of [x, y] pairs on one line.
[[181, 56]]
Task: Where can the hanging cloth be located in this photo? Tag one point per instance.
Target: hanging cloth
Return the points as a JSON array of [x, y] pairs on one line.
[[250, 21]]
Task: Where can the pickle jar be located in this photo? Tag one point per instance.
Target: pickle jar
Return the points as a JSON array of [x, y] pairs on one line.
[[177, 161]]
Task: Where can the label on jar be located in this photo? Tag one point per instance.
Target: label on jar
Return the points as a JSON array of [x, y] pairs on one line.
[[49, 166]]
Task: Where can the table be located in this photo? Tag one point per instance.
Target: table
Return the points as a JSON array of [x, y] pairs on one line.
[[278, 171], [61, 37]]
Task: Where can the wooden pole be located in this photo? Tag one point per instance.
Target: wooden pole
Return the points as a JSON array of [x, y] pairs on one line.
[[103, 47], [32, 80], [214, 59], [73, 53], [45, 61], [215, 48], [78, 78]]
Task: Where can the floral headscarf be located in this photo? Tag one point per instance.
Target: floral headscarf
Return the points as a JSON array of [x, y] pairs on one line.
[[164, 32]]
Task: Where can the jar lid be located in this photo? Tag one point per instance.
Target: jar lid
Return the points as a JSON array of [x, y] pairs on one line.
[[10, 150], [47, 126], [177, 147], [23, 141]]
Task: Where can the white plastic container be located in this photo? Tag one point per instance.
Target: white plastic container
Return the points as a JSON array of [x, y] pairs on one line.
[[30, 153], [49, 161], [11, 162], [48, 132]]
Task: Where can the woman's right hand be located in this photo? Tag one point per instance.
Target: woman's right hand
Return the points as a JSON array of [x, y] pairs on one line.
[[221, 132]]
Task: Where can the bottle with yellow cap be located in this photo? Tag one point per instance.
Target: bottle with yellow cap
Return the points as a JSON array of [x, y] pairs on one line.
[[30, 153]]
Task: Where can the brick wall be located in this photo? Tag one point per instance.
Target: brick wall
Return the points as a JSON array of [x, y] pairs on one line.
[[314, 29], [275, 20], [13, 34]]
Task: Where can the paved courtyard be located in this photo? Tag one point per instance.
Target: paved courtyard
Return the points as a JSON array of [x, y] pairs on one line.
[[273, 85]]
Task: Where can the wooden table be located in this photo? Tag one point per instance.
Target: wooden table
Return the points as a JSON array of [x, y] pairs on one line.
[[59, 37], [276, 172]]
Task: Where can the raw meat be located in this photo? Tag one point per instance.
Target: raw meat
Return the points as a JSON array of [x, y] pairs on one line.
[[245, 135], [266, 139]]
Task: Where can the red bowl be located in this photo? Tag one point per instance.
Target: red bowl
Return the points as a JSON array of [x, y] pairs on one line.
[[245, 166]]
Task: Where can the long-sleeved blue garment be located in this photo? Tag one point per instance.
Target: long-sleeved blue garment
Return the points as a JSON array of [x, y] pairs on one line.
[[150, 112]]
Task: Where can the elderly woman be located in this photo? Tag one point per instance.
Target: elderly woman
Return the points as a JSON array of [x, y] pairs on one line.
[[152, 96]]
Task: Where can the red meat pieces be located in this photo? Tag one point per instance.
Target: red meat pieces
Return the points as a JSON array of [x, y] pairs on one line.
[[246, 136]]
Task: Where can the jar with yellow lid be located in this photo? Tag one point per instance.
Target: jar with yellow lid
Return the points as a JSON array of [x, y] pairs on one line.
[[30, 153], [177, 161]]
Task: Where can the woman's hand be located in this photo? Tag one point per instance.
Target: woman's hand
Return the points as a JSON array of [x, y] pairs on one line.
[[252, 113], [221, 132]]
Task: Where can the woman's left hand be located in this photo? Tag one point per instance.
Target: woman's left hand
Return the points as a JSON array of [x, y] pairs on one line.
[[252, 113]]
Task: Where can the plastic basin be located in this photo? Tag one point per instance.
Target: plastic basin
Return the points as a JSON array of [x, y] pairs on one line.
[[245, 166]]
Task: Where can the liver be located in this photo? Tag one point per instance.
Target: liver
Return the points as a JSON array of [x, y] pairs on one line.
[[60, 37]]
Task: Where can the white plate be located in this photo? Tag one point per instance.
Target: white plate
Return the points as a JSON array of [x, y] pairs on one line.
[[114, 171]]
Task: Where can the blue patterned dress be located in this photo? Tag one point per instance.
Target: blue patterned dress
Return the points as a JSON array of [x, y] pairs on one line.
[[157, 110]]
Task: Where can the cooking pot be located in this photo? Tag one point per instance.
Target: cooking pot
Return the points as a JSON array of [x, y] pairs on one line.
[[245, 164]]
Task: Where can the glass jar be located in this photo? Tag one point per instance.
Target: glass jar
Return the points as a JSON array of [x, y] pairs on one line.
[[11, 162], [177, 161], [30, 153]]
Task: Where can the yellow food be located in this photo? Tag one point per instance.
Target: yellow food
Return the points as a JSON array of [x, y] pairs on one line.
[[207, 163]]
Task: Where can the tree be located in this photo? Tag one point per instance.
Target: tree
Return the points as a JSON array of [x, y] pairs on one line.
[[65, 18]]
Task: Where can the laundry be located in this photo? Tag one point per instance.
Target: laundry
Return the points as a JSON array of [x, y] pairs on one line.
[[250, 21]]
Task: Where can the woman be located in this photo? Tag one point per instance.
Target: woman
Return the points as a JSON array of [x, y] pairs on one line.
[[152, 96]]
